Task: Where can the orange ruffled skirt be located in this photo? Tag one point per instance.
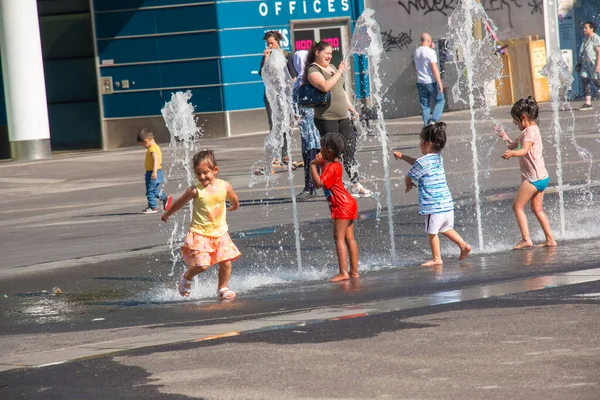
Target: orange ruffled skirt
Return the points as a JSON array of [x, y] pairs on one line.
[[198, 250]]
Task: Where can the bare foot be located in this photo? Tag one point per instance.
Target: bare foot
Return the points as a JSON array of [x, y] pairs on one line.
[[464, 252], [550, 243], [354, 275], [432, 263], [523, 244], [340, 277]]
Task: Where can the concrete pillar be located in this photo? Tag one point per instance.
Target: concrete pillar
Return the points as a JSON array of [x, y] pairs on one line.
[[24, 84]]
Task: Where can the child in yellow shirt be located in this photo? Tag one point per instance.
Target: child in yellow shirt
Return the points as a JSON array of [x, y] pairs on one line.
[[154, 173], [207, 242]]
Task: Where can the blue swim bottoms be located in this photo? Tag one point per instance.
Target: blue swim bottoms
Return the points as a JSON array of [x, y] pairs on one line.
[[541, 184]]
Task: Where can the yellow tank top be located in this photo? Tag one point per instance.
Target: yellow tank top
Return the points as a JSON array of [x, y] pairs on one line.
[[149, 162], [208, 217]]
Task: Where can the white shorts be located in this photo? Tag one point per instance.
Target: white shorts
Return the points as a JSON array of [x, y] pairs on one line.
[[435, 223]]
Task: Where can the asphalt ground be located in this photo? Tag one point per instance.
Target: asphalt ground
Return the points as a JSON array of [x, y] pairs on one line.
[[73, 222], [531, 345]]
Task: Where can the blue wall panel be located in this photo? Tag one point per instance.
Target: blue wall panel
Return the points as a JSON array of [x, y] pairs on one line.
[[183, 19], [190, 73], [128, 104], [242, 97], [244, 41], [153, 21], [157, 76], [204, 99], [159, 48], [196, 45], [240, 69], [70, 80], [128, 50], [132, 104], [74, 125], [109, 25], [144, 76], [109, 5]]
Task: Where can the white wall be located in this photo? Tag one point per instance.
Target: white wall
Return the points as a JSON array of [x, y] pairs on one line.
[[403, 21]]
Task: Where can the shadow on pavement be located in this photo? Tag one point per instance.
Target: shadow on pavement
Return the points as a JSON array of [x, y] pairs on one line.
[[80, 380]]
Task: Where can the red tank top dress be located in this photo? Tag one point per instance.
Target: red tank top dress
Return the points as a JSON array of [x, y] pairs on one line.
[[341, 203]]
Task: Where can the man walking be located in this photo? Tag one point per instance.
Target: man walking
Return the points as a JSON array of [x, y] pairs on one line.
[[429, 82]]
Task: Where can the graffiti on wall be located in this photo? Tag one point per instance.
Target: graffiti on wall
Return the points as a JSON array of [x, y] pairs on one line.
[[445, 7], [537, 6], [399, 41], [425, 7]]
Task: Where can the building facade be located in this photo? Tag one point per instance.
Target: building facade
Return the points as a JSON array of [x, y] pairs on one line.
[[110, 65]]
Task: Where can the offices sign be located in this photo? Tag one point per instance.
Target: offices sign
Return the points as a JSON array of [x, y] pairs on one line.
[[300, 8]]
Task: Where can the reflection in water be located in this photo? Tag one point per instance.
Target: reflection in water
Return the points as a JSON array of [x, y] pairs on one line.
[[435, 270], [538, 283], [221, 305], [351, 285], [549, 254], [526, 256], [540, 257], [467, 266]]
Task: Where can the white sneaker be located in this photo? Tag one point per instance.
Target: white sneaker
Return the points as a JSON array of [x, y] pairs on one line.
[[359, 190]]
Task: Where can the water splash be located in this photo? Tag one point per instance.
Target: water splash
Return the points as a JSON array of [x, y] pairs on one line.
[[279, 87], [366, 40], [480, 66], [179, 118], [560, 81]]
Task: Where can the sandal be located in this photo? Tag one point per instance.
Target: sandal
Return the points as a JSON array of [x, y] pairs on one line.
[[225, 293], [181, 286], [359, 190]]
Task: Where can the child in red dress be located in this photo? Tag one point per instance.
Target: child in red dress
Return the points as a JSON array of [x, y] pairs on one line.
[[344, 209]]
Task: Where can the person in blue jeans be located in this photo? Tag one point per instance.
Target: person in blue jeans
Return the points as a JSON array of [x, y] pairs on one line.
[[308, 131], [154, 175], [429, 81]]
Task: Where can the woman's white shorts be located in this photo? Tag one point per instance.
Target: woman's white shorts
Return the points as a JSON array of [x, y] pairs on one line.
[[436, 223]]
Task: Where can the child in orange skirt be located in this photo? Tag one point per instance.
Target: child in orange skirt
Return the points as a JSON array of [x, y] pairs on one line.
[[207, 242]]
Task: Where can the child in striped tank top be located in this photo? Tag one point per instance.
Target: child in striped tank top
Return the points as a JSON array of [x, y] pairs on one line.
[[435, 200]]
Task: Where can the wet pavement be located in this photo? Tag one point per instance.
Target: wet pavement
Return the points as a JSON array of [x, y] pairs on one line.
[[81, 231], [538, 345]]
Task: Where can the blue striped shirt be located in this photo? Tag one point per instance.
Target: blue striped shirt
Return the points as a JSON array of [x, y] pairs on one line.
[[428, 173]]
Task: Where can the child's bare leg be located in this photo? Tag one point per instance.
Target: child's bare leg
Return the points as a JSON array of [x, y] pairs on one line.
[[456, 238], [434, 243], [352, 250], [524, 194], [188, 275], [340, 226], [538, 210], [224, 274], [193, 270]]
